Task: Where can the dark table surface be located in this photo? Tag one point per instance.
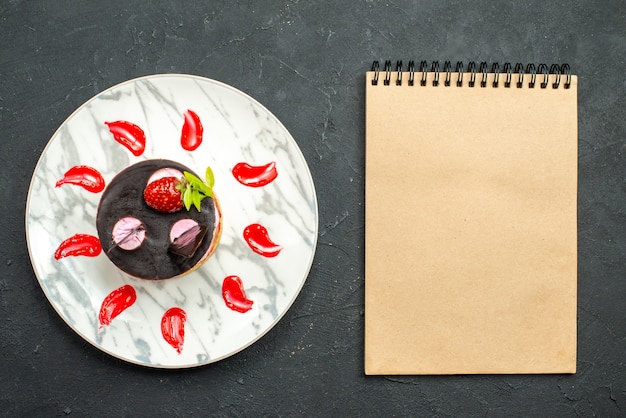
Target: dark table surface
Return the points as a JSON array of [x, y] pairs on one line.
[[305, 61]]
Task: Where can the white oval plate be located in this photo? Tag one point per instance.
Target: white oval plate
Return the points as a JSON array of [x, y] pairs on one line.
[[236, 129]]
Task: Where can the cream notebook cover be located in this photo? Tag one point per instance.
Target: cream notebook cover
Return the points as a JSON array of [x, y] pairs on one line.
[[470, 224]]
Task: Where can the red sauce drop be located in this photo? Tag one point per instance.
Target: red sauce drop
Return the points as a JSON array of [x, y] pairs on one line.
[[86, 177], [173, 328], [115, 303], [255, 176], [259, 241], [79, 245], [191, 136], [129, 135], [234, 295]]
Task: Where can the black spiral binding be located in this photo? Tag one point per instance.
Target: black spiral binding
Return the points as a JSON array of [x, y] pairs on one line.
[[509, 73]]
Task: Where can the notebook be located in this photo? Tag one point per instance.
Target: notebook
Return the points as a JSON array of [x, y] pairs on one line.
[[470, 219]]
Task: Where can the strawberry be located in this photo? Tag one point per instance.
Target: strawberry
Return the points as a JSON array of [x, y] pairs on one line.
[[171, 194], [163, 195]]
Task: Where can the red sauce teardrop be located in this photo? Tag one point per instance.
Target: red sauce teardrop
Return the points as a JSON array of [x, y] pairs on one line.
[[234, 294], [79, 245], [191, 135], [173, 328], [86, 177], [259, 241], [129, 135], [255, 176], [115, 303]]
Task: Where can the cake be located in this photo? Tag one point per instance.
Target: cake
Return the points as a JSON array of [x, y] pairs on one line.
[[152, 237]]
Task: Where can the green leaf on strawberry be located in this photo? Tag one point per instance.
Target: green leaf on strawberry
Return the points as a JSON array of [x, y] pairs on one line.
[[210, 178], [186, 196], [194, 190]]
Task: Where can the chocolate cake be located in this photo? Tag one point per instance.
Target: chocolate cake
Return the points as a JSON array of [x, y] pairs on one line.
[[149, 244]]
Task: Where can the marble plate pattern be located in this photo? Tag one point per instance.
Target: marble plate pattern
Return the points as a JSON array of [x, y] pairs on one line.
[[236, 129]]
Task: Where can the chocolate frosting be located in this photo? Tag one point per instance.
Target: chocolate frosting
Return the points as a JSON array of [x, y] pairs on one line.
[[152, 260]]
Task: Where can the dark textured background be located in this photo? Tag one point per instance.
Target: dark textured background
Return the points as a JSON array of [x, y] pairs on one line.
[[305, 61]]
